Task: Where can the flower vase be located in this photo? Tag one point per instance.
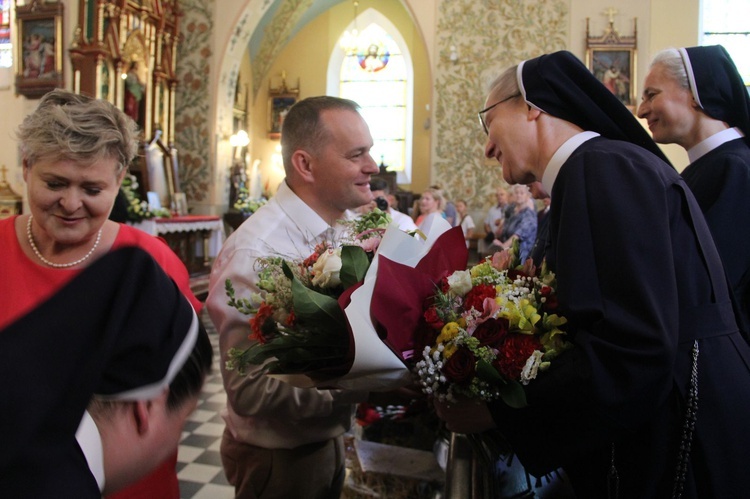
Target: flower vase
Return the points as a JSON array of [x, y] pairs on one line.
[[482, 466]]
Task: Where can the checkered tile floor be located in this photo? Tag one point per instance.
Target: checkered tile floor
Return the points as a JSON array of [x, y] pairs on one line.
[[198, 461]]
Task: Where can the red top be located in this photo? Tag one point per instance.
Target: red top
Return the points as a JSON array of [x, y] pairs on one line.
[[25, 282]]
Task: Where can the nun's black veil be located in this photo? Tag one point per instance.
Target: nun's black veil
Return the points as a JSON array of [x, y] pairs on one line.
[[717, 86], [560, 85], [116, 328]]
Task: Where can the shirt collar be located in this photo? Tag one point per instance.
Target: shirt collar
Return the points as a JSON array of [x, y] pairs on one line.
[[707, 145], [306, 219], [561, 156], [90, 443]]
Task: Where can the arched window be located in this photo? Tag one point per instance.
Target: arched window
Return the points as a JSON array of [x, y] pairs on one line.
[[727, 23], [378, 76]]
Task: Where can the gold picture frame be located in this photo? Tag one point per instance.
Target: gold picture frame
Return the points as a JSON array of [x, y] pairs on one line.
[[280, 99], [278, 106], [39, 48], [612, 59]]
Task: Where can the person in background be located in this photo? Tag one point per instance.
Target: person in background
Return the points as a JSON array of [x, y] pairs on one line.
[[542, 227], [449, 208], [120, 338], [381, 194], [465, 220], [493, 222], [521, 225], [283, 441], [695, 97], [431, 201], [75, 153], [640, 405]]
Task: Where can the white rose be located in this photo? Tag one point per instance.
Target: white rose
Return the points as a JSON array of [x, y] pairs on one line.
[[326, 269], [460, 282]]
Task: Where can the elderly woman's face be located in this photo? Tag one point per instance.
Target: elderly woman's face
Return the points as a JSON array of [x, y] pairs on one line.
[[69, 201], [669, 109]]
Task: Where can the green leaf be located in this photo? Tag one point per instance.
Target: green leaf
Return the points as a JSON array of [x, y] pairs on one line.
[[287, 270], [487, 373], [313, 307], [354, 265], [513, 395]]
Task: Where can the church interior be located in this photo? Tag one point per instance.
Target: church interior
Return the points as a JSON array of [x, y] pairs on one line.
[[209, 83]]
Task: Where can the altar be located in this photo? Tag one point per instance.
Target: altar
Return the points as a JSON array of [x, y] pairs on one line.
[[196, 239]]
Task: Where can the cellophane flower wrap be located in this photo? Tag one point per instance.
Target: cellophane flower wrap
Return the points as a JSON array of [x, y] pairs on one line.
[[325, 321], [494, 327]]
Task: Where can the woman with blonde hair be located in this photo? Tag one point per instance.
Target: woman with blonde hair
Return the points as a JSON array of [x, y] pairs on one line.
[[431, 201]]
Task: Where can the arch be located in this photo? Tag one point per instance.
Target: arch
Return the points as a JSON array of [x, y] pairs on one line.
[[241, 21], [367, 18]]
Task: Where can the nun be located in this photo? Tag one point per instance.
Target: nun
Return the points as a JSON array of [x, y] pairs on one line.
[[97, 381], [695, 97], [653, 398]]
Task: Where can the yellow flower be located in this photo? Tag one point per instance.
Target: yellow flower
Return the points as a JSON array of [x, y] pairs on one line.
[[522, 315], [450, 350], [449, 332]]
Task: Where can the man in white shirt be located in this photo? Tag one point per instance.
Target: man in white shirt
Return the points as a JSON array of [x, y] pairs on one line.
[[283, 441], [380, 192]]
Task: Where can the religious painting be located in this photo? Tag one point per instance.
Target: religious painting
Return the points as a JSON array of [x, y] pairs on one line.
[[374, 59], [39, 52], [615, 69], [611, 58], [278, 107]]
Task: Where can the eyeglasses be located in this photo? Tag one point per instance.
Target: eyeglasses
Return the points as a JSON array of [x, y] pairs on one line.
[[485, 110]]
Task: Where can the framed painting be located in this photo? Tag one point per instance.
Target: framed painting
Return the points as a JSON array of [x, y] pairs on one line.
[[39, 48], [612, 59], [615, 68], [278, 106]]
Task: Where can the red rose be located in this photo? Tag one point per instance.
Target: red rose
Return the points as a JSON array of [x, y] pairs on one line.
[[433, 319], [367, 414], [513, 353], [475, 297], [491, 332], [550, 304], [258, 322], [460, 367]]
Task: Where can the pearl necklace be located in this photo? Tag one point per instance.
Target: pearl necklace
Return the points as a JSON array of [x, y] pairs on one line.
[[59, 265]]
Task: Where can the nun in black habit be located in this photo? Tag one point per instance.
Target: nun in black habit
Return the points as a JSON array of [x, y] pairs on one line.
[[654, 398], [695, 97], [120, 331]]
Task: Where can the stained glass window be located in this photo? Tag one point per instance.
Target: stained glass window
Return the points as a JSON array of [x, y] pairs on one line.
[[375, 75]]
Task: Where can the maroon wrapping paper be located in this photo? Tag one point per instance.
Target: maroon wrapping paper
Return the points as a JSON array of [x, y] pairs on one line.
[[400, 291]]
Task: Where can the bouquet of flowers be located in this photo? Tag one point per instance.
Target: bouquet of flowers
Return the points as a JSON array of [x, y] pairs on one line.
[[344, 317], [139, 209], [493, 328]]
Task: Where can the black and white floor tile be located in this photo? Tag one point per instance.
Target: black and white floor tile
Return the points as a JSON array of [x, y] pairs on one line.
[[198, 461]]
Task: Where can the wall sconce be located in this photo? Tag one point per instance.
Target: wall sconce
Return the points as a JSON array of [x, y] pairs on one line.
[[238, 141]]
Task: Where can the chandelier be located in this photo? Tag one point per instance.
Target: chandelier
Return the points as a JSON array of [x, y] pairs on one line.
[[349, 41]]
